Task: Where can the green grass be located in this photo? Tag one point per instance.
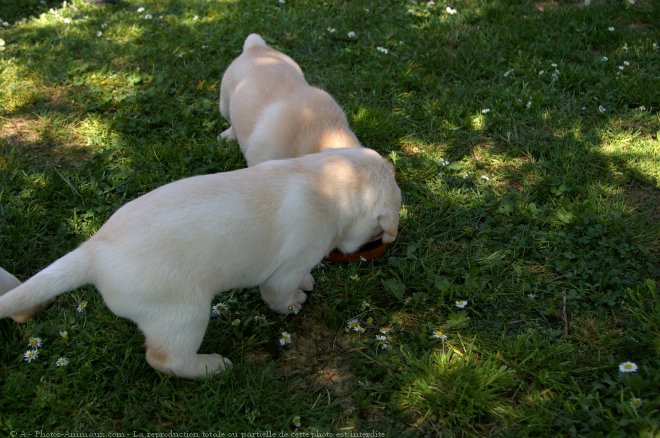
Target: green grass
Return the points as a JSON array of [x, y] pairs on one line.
[[551, 196]]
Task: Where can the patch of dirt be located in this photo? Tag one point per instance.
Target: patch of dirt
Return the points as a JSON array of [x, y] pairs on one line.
[[319, 357], [33, 136]]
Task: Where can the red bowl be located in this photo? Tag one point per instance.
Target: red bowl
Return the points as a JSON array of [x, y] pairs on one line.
[[369, 251]]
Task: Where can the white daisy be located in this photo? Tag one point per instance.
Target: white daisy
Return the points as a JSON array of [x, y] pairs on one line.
[[30, 355], [461, 303], [296, 421], [484, 178], [140, 9], [382, 50], [64, 335], [437, 334], [628, 367], [485, 111], [635, 402], [148, 16], [295, 309], [99, 34], [601, 109], [285, 338], [611, 28], [381, 338], [81, 307], [353, 324], [62, 362], [219, 309], [450, 10], [604, 59], [351, 34], [35, 343]]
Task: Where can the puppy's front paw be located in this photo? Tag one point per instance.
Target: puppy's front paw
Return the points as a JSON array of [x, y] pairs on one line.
[[291, 305], [307, 284]]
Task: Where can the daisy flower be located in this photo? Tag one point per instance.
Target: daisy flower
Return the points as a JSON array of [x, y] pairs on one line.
[[296, 421], [331, 30], [30, 355], [385, 330], [99, 34], [635, 402], [443, 162], [236, 322], [148, 16], [450, 10], [140, 10], [285, 339], [485, 111], [62, 362], [385, 346], [461, 303], [611, 28], [81, 307], [351, 34], [34, 343], [353, 324], [382, 50], [437, 334], [294, 309], [604, 59], [484, 178], [218, 309], [601, 109], [381, 338], [64, 335], [628, 367]]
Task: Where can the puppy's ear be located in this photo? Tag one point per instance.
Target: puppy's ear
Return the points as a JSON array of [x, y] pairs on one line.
[[389, 222]]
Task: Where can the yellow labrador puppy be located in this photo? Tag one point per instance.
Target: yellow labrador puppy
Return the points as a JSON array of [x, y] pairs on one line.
[[274, 113], [160, 259]]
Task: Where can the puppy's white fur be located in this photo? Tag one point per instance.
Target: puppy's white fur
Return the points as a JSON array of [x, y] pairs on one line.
[[7, 281], [274, 113], [159, 259]]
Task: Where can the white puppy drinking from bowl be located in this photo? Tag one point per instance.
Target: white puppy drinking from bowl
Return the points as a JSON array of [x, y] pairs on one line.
[[161, 258]]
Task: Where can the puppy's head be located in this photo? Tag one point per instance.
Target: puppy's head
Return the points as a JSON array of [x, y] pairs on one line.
[[376, 200]]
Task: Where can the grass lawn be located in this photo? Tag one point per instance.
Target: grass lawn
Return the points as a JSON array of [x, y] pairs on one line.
[[525, 140]]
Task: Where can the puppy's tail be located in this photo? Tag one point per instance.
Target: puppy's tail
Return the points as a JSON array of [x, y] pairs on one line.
[[7, 281], [66, 273], [253, 40]]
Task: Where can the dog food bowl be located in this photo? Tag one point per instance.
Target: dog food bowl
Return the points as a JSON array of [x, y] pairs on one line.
[[369, 251]]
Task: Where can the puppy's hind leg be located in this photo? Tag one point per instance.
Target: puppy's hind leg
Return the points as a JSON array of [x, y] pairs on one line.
[[173, 335], [227, 134]]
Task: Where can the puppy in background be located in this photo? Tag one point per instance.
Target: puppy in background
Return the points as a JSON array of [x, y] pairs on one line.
[[161, 258], [274, 113]]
